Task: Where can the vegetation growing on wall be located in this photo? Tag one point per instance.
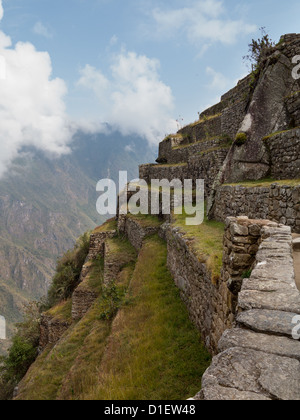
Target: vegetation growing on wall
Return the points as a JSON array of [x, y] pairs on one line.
[[24, 348], [259, 50], [241, 139], [68, 272], [22, 353]]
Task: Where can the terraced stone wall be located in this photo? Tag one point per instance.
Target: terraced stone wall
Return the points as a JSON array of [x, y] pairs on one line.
[[279, 203]]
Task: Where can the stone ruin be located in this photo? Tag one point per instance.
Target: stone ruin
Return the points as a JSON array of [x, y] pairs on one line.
[[245, 321]]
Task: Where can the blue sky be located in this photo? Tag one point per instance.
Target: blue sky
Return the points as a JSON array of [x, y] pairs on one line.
[[138, 64]]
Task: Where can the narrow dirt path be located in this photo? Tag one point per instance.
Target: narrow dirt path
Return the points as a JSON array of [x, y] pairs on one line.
[[296, 239]]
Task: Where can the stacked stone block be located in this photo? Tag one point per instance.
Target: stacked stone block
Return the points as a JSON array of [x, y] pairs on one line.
[[279, 203], [259, 359]]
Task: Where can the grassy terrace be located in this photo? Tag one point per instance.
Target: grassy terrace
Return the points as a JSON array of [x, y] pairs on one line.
[[206, 240], [149, 350], [205, 119], [153, 352], [205, 140], [279, 132], [213, 149], [267, 183], [146, 220], [62, 311], [170, 165], [107, 226]]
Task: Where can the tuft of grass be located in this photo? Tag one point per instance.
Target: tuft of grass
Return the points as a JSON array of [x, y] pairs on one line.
[[267, 182], [213, 149], [145, 221], [107, 226], [266, 138], [121, 249], [171, 165], [205, 119], [62, 311], [241, 139]]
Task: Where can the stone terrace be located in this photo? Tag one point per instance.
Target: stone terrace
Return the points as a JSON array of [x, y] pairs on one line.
[[259, 359]]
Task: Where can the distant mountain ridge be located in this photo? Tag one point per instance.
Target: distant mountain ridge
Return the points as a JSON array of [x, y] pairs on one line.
[[45, 204]]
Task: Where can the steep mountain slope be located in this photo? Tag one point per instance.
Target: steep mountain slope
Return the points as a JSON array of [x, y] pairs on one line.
[[105, 356], [45, 204]]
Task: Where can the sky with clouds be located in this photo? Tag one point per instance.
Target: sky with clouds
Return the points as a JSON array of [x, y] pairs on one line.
[[144, 66]]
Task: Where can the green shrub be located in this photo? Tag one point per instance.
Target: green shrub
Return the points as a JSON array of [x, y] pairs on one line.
[[247, 274], [241, 138], [22, 353], [112, 298], [259, 50], [68, 272]]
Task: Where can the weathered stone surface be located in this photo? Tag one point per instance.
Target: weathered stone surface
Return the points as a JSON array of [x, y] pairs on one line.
[[272, 203], [256, 372], [296, 244], [216, 392], [266, 114], [259, 357], [280, 346], [82, 300], [207, 301], [97, 241], [284, 155], [268, 321], [136, 232], [51, 330], [278, 301]]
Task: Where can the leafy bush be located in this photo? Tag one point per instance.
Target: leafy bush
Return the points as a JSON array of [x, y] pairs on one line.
[[22, 353], [24, 349], [68, 272], [241, 138], [112, 298], [259, 50]]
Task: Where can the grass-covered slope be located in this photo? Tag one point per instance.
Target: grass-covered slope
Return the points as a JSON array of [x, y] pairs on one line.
[[136, 342], [206, 241], [46, 204]]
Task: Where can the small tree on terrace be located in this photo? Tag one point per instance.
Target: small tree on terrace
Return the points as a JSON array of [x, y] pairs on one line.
[[258, 50]]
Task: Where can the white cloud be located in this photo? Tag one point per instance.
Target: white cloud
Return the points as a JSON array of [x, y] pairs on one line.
[[219, 81], [129, 148], [1, 10], [32, 109], [203, 21], [94, 80], [133, 98], [42, 30]]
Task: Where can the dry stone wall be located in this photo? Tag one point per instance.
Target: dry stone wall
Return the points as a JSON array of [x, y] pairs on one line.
[[82, 299], [210, 127], [284, 151], [259, 359], [182, 154], [135, 231], [241, 242], [212, 302], [97, 241], [205, 165], [278, 203], [209, 302], [51, 330]]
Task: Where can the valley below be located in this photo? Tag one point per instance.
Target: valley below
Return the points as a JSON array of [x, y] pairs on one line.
[[46, 204]]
